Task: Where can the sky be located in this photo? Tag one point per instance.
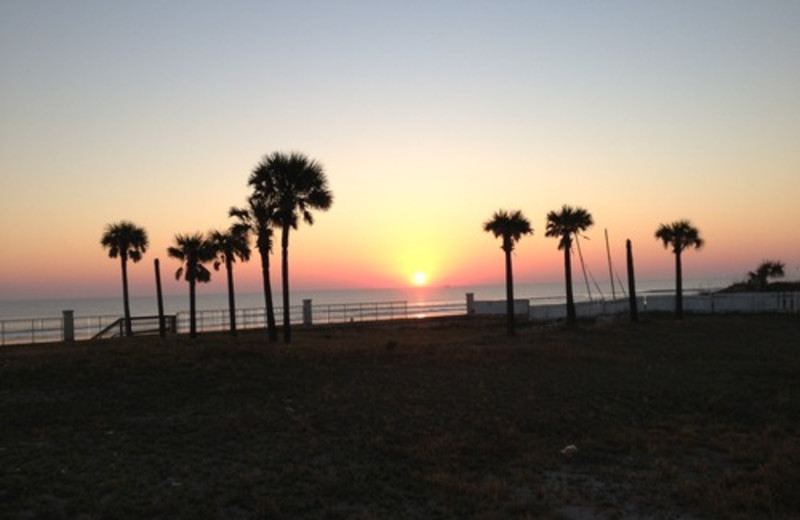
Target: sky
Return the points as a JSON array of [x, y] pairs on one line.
[[428, 116]]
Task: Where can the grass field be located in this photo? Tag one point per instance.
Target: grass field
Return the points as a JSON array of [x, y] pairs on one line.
[[698, 418]]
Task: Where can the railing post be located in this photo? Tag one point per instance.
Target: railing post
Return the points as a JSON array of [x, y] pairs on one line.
[[69, 325], [470, 304]]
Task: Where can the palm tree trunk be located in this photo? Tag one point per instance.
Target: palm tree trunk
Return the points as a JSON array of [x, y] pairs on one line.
[[571, 315], [272, 332], [231, 298], [192, 309], [125, 299], [287, 326], [162, 326], [678, 285], [509, 294]]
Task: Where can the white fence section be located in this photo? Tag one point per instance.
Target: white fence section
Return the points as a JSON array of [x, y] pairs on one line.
[[721, 303], [712, 303], [558, 311], [490, 307]]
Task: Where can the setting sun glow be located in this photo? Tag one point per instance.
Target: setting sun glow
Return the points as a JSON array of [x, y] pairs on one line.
[[431, 118]]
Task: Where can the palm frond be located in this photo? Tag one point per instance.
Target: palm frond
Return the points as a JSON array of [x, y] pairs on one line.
[[511, 226], [566, 222], [680, 234], [126, 239]]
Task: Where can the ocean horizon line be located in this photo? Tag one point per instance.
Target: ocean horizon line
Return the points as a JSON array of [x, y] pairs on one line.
[[175, 303]]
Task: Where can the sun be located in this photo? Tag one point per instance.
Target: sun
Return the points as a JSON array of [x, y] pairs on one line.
[[420, 278]]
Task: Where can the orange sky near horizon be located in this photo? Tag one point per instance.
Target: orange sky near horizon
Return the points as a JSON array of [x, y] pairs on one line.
[[427, 120]]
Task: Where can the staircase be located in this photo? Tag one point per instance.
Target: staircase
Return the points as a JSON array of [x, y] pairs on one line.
[[140, 325]]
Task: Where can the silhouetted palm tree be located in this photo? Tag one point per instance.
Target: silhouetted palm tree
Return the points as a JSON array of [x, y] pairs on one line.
[[768, 269], [128, 242], [680, 235], [193, 250], [511, 227], [563, 225], [298, 185], [258, 218], [228, 246]]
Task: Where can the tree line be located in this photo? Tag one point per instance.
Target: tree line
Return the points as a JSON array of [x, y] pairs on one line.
[[288, 187], [285, 189], [569, 222]]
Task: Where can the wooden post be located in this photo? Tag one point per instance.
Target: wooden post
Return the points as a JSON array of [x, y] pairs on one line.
[[631, 283], [162, 326], [69, 325]]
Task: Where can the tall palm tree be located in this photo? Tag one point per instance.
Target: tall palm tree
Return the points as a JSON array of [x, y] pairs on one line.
[[563, 225], [768, 269], [127, 241], [681, 235], [258, 218], [193, 251], [228, 246], [298, 185], [511, 226]]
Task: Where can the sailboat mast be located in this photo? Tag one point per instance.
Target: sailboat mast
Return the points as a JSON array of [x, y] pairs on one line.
[[583, 267], [610, 269]]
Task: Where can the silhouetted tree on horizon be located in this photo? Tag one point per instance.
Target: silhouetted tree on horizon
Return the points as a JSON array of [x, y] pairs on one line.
[[510, 226], [766, 270], [258, 218], [193, 251], [298, 185], [680, 234], [228, 246], [125, 240], [563, 225]]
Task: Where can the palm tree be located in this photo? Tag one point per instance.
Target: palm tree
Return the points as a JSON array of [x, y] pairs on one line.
[[511, 227], [193, 251], [258, 218], [128, 242], [563, 225], [298, 185], [680, 234], [228, 246], [768, 269]]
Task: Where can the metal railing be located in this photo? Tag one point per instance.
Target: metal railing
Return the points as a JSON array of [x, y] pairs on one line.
[[33, 330], [352, 312], [46, 330], [41, 330], [255, 318], [139, 325]]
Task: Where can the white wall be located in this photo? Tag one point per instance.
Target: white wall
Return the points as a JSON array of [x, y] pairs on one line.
[[719, 303], [728, 302]]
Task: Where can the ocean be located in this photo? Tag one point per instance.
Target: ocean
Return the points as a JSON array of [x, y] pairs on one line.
[[179, 303]]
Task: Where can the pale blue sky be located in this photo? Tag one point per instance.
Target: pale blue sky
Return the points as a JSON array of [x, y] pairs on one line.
[[428, 116]]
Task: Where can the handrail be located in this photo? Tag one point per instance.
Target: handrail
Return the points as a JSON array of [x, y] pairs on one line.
[[116, 323], [170, 322]]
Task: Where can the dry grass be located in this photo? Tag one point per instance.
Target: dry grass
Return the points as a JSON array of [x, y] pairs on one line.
[[423, 419]]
